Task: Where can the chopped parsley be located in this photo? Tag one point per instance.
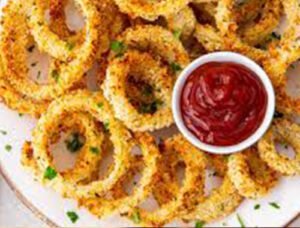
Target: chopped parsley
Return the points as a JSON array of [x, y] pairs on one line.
[[30, 48], [118, 47], [150, 108], [276, 36], [106, 126], [72, 216], [240, 220], [70, 46], [94, 150], [3, 132], [175, 67], [147, 90], [8, 148], [55, 75], [275, 205], [136, 217], [256, 206], [74, 143], [177, 33], [50, 173], [199, 224], [100, 105], [278, 115]]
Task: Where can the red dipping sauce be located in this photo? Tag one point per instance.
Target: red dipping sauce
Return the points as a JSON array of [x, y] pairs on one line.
[[223, 103]]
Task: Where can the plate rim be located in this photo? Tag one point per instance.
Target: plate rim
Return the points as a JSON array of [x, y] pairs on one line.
[[44, 218]]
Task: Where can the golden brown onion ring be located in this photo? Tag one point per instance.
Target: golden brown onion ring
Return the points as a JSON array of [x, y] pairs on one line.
[[288, 132], [50, 42], [99, 109], [158, 41], [14, 39], [101, 206], [250, 175], [192, 189], [137, 65]]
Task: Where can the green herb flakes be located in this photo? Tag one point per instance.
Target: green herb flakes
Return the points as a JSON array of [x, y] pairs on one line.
[[8, 148], [74, 143], [199, 224], [72, 216], [240, 220], [50, 173]]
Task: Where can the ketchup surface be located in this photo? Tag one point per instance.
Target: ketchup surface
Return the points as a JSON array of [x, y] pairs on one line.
[[223, 103]]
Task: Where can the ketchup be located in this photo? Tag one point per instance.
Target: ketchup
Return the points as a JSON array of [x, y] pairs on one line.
[[223, 103]]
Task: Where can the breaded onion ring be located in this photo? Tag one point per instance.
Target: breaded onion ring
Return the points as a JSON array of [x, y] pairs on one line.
[[158, 41], [143, 67], [192, 189], [250, 175], [150, 10], [86, 162], [51, 43], [290, 133], [218, 204], [14, 39], [288, 49], [101, 206], [99, 109], [254, 33], [228, 29]]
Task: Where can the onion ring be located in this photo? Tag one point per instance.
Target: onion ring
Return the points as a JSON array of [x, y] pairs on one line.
[[50, 42], [138, 65], [220, 202], [250, 175], [157, 40], [288, 131], [192, 189], [102, 207], [14, 39], [121, 138]]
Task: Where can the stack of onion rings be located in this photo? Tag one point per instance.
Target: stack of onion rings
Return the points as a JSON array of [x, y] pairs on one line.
[[139, 48]]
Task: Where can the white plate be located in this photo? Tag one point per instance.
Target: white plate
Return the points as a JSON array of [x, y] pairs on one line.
[[52, 207]]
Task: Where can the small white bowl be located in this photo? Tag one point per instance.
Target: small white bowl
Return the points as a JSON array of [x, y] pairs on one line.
[[223, 57]]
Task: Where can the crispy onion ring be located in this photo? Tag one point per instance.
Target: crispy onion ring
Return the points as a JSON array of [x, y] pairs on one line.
[[254, 33], [86, 162], [228, 29], [150, 10], [156, 40], [219, 203], [14, 39], [288, 49], [250, 175], [137, 65], [192, 189], [289, 132], [97, 107], [51, 42], [123, 202]]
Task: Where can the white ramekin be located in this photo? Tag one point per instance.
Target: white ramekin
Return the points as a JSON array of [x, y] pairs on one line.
[[223, 57]]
